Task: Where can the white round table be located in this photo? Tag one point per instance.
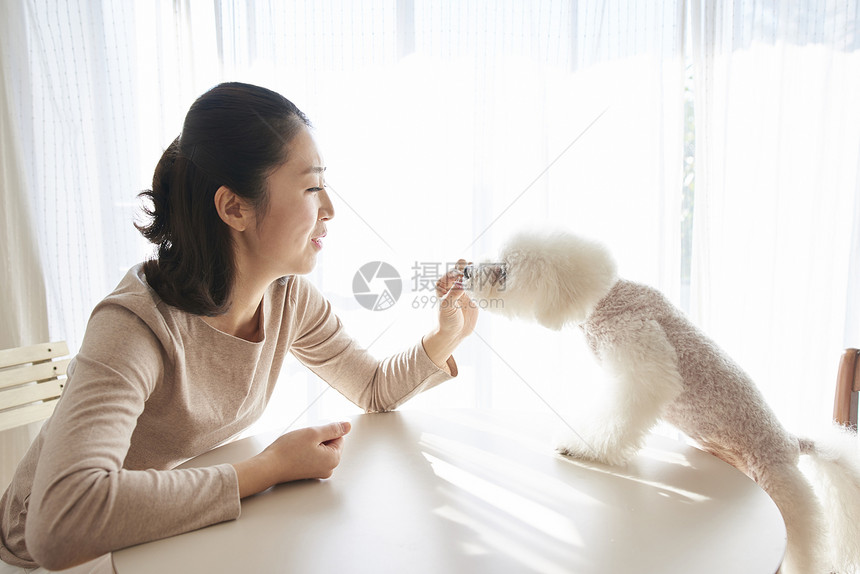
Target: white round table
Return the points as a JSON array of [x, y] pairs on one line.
[[484, 492]]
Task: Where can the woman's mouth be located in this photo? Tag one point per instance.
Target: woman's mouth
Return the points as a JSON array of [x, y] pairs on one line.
[[318, 241]]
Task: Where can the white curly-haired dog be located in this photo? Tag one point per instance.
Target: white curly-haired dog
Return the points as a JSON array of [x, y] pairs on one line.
[[661, 366]]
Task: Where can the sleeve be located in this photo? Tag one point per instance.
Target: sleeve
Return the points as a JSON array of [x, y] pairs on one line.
[[83, 503], [323, 345]]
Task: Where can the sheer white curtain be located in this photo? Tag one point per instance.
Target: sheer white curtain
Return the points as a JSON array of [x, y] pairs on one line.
[[72, 103], [776, 198], [445, 127]]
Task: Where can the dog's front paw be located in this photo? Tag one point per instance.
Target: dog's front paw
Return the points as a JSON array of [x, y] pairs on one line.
[[577, 448]]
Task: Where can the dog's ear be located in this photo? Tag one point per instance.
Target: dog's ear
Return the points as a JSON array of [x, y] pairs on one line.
[[565, 275]]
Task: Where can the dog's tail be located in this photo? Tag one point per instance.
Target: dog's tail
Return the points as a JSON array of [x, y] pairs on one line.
[[835, 474]]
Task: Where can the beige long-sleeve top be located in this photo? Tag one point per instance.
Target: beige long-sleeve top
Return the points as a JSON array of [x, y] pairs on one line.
[[153, 386]]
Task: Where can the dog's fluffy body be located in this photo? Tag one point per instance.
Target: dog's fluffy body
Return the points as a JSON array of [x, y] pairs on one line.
[[661, 366]]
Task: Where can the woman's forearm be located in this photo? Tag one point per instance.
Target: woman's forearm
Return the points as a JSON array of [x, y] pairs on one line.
[[253, 476], [439, 348]]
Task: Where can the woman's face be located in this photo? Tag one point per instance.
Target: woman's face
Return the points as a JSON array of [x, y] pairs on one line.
[[287, 238]]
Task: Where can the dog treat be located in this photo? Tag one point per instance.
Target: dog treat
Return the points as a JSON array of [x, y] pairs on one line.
[[476, 274]]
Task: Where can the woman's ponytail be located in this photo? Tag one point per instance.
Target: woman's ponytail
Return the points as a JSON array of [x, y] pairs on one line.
[[158, 229]]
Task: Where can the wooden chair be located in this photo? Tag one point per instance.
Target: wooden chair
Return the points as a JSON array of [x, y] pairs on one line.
[[31, 380], [847, 387]]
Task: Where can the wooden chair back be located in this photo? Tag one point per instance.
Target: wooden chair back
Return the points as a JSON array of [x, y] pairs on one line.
[[31, 381], [847, 388]]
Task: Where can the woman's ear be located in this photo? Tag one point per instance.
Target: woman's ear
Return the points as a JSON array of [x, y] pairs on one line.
[[232, 209]]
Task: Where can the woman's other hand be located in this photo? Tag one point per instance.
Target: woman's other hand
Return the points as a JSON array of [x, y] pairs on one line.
[[311, 452]]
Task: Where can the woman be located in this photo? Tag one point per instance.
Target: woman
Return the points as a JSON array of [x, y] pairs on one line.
[[186, 351]]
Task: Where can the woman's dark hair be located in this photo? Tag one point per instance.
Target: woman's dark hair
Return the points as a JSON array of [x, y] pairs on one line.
[[234, 135]]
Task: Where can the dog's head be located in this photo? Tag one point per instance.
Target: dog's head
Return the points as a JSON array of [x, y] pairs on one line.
[[553, 277]]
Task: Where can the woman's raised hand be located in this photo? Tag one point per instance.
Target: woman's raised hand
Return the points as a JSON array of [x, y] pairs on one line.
[[457, 316]]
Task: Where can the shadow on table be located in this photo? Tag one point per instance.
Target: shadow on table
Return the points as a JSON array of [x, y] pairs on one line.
[[502, 494]]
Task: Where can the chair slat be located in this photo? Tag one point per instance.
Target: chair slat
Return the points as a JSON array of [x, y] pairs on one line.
[[38, 372], [40, 352], [857, 372], [26, 415], [30, 394], [844, 404], [44, 367]]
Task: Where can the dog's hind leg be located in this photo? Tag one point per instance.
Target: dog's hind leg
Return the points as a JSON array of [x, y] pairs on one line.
[[641, 366], [803, 516]]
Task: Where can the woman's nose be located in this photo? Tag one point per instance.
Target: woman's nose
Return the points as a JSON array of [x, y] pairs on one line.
[[326, 206]]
